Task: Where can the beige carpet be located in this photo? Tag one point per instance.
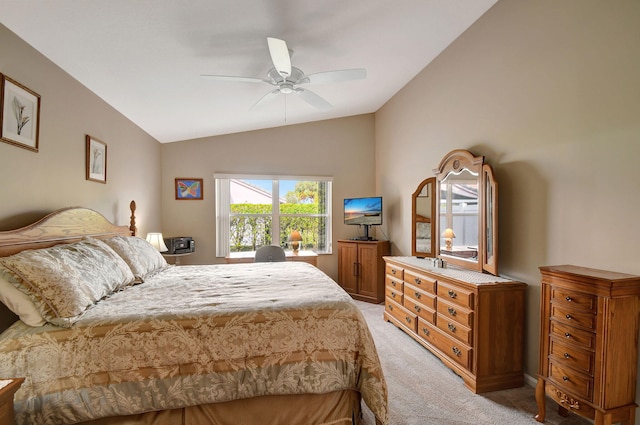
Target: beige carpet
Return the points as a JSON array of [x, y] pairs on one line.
[[422, 391]]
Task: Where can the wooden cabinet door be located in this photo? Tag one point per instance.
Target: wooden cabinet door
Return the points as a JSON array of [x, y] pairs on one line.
[[348, 266], [368, 270]]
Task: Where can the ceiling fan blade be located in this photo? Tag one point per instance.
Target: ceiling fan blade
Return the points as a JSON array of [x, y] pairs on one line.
[[235, 79], [280, 56], [265, 99], [313, 99], [336, 76]]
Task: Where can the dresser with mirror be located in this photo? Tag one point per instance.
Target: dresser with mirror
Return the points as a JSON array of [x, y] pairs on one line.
[[448, 294]]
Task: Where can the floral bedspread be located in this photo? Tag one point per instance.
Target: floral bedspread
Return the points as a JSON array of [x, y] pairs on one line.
[[194, 335]]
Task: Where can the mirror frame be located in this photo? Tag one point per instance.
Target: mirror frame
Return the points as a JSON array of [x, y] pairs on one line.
[[455, 161], [414, 218]]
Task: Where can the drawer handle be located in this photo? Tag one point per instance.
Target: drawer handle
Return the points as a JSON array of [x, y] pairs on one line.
[[456, 351], [393, 271], [566, 355], [390, 307], [393, 283], [425, 331], [393, 294], [568, 298], [408, 319], [452, 311], [567, 334], [568, 316], [417, 308], [565, 378], [418, 280], [451, 327], [418, 295], [452, 293]]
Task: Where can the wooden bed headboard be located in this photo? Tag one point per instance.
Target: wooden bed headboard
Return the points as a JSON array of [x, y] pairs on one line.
[[67, 225]]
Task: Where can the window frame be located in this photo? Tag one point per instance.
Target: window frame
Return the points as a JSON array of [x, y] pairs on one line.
[[223, 210]]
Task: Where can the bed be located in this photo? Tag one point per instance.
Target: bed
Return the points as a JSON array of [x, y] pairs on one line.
[[104, 331]]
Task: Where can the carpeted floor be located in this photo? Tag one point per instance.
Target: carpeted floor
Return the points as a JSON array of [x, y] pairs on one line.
[[422, 391]]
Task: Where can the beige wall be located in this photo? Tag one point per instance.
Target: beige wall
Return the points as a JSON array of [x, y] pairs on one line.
[[340, 148], [549, 92], [33, 184]]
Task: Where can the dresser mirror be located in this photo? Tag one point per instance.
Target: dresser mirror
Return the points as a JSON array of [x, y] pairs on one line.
[[423, 230], [464, 224]]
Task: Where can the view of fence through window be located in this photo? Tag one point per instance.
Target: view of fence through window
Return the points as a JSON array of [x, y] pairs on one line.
[[264, 212]]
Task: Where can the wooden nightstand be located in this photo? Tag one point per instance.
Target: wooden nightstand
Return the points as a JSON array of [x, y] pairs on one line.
[[8, 387]]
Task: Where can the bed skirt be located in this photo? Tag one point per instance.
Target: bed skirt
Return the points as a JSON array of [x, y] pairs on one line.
[[336, 408]]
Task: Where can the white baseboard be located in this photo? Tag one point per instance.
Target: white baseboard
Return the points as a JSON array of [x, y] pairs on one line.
[[530, 380]]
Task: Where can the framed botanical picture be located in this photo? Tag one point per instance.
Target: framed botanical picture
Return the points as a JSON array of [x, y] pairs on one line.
[[19, 115], [96, 160], [187, 188]]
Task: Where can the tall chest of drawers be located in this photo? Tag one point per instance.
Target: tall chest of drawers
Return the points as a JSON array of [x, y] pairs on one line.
[[473, 322], [589, 343]]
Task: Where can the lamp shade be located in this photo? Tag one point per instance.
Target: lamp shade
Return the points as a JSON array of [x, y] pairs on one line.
[[295, 236], [157, 241], [448, 233]]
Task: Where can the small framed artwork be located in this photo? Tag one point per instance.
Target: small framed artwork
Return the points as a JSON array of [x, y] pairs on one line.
[[96, 160], [188, 188], [19, 114]]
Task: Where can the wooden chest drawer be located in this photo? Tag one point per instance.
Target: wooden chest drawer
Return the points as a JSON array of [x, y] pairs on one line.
[[454, 312], [401, 314], [426, 313], [419, 296], [455, 329], [571, 380], [573, 317], [393, 294], [455, 294], [423, 282], [455, 350], [569, 402], [570, 355], [576, 336], [395, 271], [573, 299], [391, 281]]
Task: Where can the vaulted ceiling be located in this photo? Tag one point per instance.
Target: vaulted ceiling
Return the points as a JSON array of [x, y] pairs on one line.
[[145, 57]]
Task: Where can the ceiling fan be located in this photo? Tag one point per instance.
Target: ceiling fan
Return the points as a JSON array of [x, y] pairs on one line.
[[287, 79]]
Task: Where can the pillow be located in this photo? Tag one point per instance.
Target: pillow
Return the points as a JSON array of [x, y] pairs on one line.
[[18, 302], [64, 280], [143, 259]]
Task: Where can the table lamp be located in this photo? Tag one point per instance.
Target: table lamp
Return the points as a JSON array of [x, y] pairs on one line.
[[157, 241], [295, 238], [448, 235]]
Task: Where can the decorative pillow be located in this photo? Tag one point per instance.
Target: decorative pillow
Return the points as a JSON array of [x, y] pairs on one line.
[[64, 280], [18, 301], [143, 259]]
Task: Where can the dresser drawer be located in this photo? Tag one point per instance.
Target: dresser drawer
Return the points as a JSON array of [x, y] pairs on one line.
[[395, 271], [455, 294], [570, 355], [571, 380], [457, 351], [393, 294], [569, 402], [401, 314], [419, 296], [576, 336], [573, 317], [421, 310], [455, 312], [423, 282], [394, 283], [454, 329], [574, 299]]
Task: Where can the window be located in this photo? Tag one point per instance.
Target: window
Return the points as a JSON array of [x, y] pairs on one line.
[[253, 211]]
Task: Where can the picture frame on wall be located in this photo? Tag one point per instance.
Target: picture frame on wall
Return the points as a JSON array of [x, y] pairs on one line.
[[96, 160], [19, 114], [188, 189]]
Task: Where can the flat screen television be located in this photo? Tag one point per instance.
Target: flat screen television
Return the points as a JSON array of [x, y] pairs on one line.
[[365, 212]]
